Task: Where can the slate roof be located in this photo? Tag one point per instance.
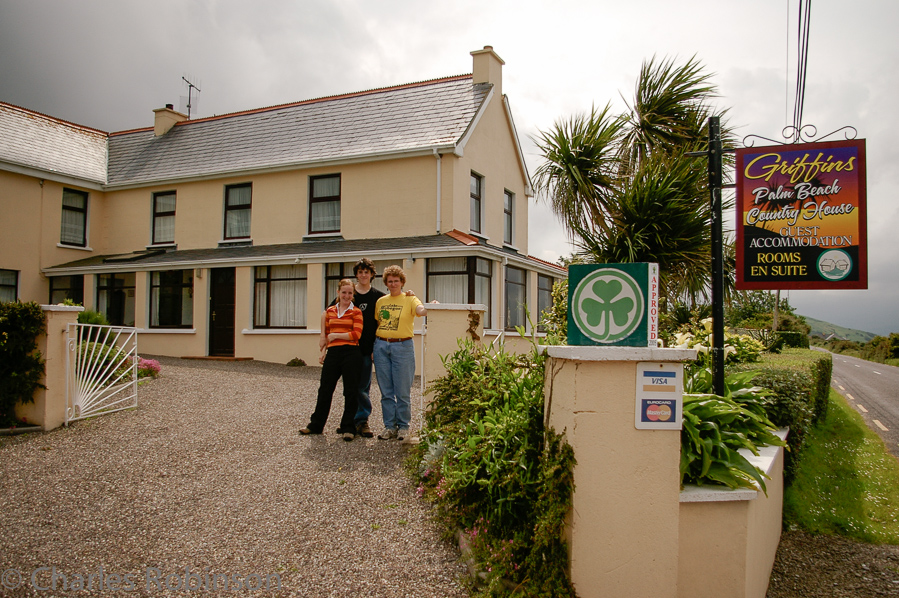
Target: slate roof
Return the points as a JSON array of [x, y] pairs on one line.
[[417, 116], [32, 140]]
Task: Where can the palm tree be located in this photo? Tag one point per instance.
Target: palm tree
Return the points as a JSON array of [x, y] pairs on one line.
[[623, 187]]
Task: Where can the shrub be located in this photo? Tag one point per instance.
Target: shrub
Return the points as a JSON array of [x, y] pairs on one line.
[[21, 364], [494, 471], [793, 339], [800, 381], [148, 368], [92, 317], [738, 348]]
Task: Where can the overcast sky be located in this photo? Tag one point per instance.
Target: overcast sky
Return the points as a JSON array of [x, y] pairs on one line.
[[108, 63]]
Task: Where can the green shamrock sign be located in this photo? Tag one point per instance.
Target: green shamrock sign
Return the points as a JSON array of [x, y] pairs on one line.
[[608, 304]]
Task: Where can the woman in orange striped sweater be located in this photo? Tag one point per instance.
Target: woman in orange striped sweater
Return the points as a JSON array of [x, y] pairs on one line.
[[341, 358]]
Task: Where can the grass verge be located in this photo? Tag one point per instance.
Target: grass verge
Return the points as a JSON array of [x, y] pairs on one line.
[[847, 482]]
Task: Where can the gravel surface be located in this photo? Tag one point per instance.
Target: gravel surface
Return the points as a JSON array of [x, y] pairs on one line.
[[209, 476], [832, 567]]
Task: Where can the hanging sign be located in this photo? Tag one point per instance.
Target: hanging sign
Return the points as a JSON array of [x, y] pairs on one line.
[[613, 304], [801, 220]]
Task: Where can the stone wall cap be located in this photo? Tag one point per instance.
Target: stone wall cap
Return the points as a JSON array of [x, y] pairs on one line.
[[593, 353], [456, 306], [77, 308]]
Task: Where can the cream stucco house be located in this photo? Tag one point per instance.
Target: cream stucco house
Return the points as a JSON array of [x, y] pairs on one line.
[[225, 236]]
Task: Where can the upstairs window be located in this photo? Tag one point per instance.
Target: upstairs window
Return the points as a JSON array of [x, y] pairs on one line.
[[163, 217], [324, 204], [74, 218], [9, 285], [516, 297], [508, 216], [477, 185], [238, 206]]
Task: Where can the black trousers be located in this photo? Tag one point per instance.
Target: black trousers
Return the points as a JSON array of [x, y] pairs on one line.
[[344, 361]]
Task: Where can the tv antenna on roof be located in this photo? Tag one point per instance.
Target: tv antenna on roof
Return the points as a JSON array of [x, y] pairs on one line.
[[190, 102]]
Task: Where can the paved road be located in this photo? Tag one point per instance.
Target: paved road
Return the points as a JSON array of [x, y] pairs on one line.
[[873, 389]]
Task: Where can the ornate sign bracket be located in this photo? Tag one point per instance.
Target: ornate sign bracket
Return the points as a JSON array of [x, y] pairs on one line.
[[803, 134]]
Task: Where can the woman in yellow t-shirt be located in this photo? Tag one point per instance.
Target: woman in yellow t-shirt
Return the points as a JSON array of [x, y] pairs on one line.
[[394, 353]]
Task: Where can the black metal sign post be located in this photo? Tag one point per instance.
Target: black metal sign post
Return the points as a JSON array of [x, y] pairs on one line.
[[715, 182], [715, 155]]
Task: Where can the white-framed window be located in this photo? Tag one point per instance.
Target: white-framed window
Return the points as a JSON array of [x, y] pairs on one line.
[[238, 209], [334, 273], [280, 296], [66, 287], [324, 204], [466, 279], [163, 218], [544, 297], [508, 217], [516, 297], [73, 230], [172, 299], [115, 298], [477, 207], [9, 285]]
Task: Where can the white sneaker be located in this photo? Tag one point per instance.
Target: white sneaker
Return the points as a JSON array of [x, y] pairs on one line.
[[402, 434], [387, 434]]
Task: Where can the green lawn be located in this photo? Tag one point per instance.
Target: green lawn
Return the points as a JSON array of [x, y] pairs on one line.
[[847, 483]]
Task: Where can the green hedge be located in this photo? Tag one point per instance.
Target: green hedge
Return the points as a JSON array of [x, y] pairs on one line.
[[793, 339], [21, 364], [800, 380]]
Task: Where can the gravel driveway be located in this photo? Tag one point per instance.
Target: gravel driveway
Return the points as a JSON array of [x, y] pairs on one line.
[[208, 482]]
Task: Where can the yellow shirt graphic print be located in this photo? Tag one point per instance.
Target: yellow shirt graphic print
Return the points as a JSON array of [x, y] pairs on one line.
[[396, 316]]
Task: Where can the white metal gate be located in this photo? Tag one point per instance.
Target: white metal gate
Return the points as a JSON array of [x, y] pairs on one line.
[[101, 370]]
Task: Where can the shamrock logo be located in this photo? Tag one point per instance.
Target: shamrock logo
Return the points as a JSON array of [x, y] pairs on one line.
[[607, 305]]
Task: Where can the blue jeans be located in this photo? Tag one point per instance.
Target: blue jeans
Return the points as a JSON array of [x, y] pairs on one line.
[[363, 410], [395, 367]]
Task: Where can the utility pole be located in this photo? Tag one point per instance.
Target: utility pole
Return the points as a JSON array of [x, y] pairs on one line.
[[715, 154]]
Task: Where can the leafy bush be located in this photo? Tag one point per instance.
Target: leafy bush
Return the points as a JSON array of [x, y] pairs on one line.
[[715, 428], [793, 339], [799, 380], [738, 348], [92, 317], [148, 368], [495, 472], [21, 364], [555, 319]]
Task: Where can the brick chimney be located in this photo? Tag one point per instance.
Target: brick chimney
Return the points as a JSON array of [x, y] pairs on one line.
[[488, 68], [166, 118]]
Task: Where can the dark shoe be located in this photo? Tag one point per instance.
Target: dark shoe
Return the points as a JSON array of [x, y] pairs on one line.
[[364, 430], [307, 431]]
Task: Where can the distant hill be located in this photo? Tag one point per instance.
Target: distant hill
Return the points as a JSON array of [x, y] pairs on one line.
[[825, 329]]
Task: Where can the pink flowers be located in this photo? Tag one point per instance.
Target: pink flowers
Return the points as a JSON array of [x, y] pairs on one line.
[[147, 367]]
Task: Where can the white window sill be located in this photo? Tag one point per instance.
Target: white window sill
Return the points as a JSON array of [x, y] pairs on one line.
[[316, 236], [479, 235], [162, 246], [79, 248], [166, 330], [263, 331]]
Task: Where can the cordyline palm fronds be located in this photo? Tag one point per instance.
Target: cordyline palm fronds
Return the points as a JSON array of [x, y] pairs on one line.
[[623, 187], [669, 112], [658, 219], [580, 171]]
